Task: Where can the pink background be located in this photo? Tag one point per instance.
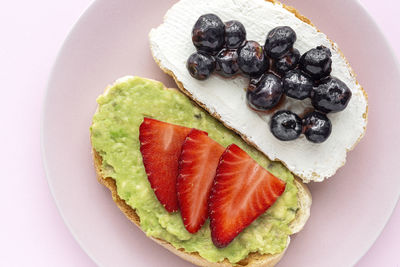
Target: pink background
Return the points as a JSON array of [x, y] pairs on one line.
[[32, 232]]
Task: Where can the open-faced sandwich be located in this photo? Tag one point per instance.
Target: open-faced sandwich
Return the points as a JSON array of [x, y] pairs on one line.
[[211, 173], [286, 63], [158, 153]]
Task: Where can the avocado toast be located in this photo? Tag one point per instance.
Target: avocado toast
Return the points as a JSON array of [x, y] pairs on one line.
[[114, 136]]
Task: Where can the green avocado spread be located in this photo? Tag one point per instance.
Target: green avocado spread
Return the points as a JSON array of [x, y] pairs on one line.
[[115, 136]]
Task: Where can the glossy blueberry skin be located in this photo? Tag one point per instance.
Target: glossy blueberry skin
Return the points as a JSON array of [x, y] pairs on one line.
[[286, 125], [200, 65], [208, 33], [287, 62], [331, 95], [279, 41], [227, 62], [266, 93], [316, 127], [252, 61], [235, 34], [297, 85], [317, 62]]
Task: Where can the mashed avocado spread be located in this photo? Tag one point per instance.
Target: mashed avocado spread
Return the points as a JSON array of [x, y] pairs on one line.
[[115, 136]]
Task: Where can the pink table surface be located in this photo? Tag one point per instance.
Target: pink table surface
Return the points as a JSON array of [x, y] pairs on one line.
[[32, 232]]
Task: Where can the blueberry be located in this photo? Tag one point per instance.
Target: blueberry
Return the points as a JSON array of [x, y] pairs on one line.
[[317, 62], [208, 33], [331, 95], [279, 41], [316, 127], [297, 85], [252, 60], [266, 93], [287, 62], [227, 62], [235, 34], [200, 65], [286, 125]]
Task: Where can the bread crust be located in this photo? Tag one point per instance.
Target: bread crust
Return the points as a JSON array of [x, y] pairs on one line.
[[252, 260], [314, 176]]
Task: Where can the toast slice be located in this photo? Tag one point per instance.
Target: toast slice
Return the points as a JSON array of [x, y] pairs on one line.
[[225, 99], [252, 260]]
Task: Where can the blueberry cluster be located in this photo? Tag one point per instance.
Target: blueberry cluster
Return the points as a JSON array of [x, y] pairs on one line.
[[274, 70], [217, 46]]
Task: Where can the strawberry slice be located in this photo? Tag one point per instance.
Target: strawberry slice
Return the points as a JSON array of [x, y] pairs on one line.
[[241, 192], [197, 166], [161, 144]]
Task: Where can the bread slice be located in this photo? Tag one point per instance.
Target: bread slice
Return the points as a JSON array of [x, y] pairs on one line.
[[225, 99], [253, 259]]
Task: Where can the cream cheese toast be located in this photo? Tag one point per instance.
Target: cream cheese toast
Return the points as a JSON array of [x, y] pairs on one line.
[[226, 98]]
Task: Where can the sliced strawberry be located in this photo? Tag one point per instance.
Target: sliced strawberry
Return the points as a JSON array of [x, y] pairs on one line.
[[197, 166], [241, 192], [161, 144]]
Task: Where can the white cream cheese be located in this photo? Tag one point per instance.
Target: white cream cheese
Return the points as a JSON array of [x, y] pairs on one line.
[[171, 45]]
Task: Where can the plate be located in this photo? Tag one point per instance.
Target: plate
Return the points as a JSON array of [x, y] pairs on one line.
[[111, 40]]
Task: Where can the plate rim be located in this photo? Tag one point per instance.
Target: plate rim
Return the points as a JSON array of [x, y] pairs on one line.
[[84, 14]]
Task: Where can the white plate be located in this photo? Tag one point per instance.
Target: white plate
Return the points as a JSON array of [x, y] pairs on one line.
[[110, 40]]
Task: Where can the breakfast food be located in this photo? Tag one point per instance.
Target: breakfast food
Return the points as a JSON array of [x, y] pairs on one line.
[[241, 192], [297, 85], [282, 118], [317, 127], [301, 63], [137, 123], [274, 70], [162, 171], [200, 65], [288, 73], [198, 165], [179, 170]]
